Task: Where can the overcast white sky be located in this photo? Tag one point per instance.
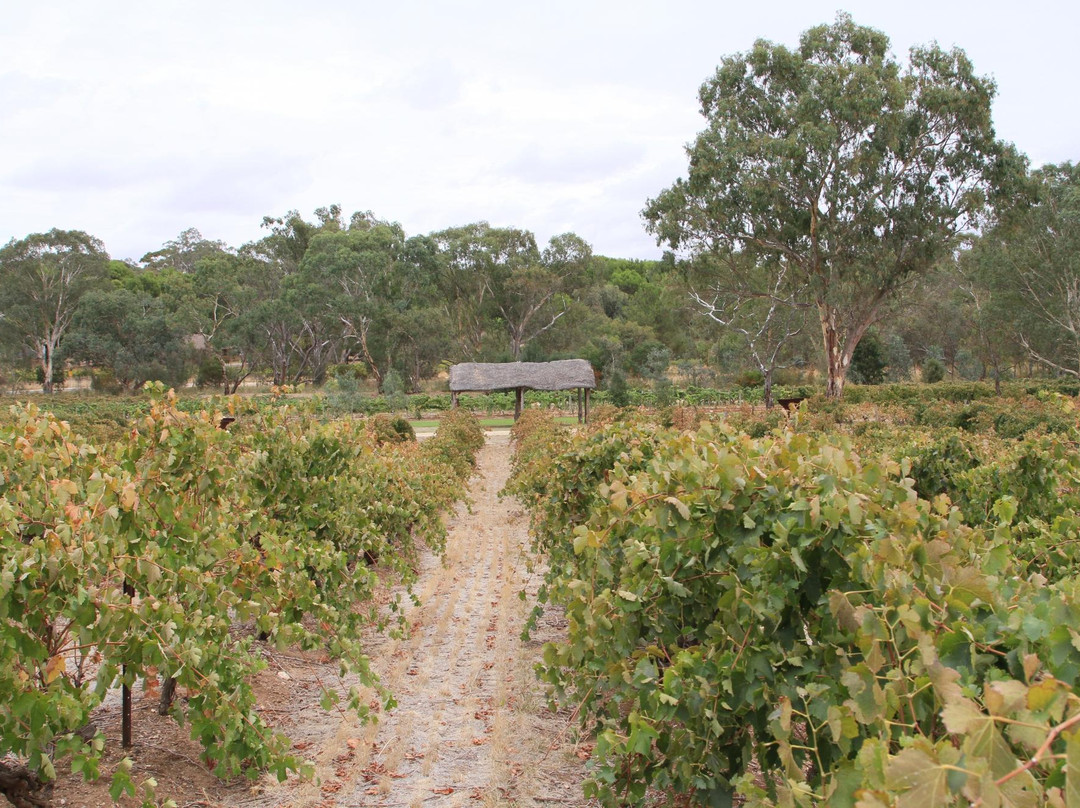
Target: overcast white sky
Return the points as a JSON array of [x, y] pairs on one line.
[[136, 120]]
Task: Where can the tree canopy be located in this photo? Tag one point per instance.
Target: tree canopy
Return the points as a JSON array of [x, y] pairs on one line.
[[42, 279], [1027, 269], [851, 172]]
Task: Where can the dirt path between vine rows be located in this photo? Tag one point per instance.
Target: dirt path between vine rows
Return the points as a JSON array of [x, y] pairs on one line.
[[471, 726]]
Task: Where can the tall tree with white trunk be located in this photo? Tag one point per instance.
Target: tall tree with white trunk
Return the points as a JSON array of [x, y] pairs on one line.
[[42, 279], [849, 171]]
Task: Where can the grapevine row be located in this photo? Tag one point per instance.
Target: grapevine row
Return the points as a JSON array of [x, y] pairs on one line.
[[138, 560], [781, 620]]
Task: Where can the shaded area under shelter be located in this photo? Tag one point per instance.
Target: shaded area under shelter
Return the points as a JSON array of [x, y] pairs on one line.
[[564, 374]]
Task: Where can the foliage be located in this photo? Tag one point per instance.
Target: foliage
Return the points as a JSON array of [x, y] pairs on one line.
[[498, 275], [139, 559], [211, 372], [897, 358], [758, 300], [391, 429], [129, 334], [617, 389], [778, 600], [42, 279], [393, 390], [933, 370], [1029, 268], [749, 378], [456, 443], [846, 170], [867, 361]]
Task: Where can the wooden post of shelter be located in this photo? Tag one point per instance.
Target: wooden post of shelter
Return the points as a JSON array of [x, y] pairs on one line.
[[580, 411], [587, 393], [519, 402], [453, 399]]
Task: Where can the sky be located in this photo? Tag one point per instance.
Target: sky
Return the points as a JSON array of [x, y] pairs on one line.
[[134, 121]]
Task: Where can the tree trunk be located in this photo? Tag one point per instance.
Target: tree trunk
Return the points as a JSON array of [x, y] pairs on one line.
[[22, 787], [46, 368], [168, 690], [840, 346], [369, 360], [768, 379], [835, 366]]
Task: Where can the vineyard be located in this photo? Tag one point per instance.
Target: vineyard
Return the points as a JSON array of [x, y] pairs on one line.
[[170, 555], [869, 604]]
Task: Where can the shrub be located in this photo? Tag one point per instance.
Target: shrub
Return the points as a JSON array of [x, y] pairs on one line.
[[389, 428], [104, 381], [211, 372], [393, 389], [933, 371], [617, 390], [868, 361], [750, 378]]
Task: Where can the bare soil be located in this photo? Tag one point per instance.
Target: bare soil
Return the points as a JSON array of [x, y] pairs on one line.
[[471, 725]]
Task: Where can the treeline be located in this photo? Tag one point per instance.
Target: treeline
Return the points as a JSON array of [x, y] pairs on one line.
[[359, 298], [312, 297], [316, 299]]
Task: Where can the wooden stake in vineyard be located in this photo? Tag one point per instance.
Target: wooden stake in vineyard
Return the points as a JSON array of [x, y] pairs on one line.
[[125, 694]]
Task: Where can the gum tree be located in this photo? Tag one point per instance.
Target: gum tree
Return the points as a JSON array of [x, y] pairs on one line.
[[42, 279], [1027, 267], [841, 167]]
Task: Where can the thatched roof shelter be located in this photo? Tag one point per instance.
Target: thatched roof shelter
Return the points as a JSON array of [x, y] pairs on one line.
[[565, 374], [480, 377]]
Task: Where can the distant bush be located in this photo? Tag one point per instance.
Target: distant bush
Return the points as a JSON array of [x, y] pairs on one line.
[[750, 378], [211, 372], [391, 429], [393, 390], [868, 361], [933, 371], [104, 380]]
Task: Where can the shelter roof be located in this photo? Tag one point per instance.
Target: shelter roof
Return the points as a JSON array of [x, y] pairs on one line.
[[480, 377]]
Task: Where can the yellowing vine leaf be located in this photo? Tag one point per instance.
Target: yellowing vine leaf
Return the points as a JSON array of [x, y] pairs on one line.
[[921, 780], [1072, 769]]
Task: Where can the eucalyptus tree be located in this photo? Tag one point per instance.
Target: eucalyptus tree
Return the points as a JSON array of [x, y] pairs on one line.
[[226, 289], [42, 279], [471, 260], [758, 300], [289, 318], [842, 167], [1029, 268], [496, 279], [132, 334], [183, 253], [534, 297], [356, 276]]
